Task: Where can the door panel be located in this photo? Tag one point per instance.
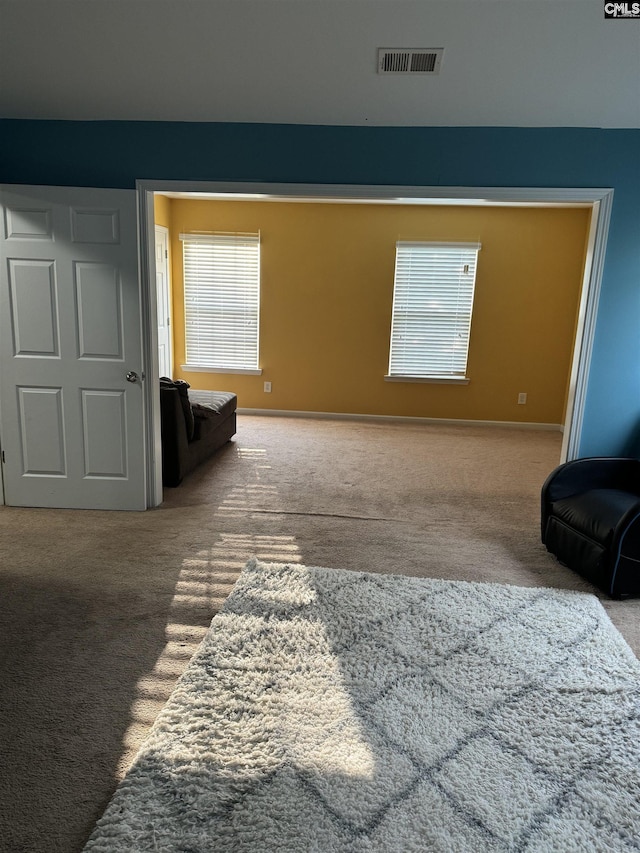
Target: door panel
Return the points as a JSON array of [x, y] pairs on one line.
[[34, 314], [40, 413], [28, 223], [99, 306], [95, 226], [70, 331], [104, 412]]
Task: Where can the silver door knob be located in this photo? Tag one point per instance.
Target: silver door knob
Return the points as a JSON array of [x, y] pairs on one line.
[[132, 376]]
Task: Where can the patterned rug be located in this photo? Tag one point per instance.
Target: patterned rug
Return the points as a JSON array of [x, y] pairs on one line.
[[329, 710]]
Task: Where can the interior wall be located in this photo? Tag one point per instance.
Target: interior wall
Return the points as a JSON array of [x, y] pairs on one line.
[[162, 211], [118, 153], [326, 295]]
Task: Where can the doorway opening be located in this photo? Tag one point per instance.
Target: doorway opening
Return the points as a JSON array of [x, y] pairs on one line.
[[598, 201]]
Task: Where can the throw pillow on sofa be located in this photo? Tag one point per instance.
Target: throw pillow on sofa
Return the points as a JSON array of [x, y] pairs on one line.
[[203, 410]]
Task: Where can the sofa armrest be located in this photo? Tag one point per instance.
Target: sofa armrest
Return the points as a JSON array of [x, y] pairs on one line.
[[582, 475], [174, 437]]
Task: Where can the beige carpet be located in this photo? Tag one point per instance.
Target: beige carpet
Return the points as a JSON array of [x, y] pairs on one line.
[[100, 612]]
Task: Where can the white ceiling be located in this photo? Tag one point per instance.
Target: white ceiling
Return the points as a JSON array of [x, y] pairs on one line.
[[506, 62]]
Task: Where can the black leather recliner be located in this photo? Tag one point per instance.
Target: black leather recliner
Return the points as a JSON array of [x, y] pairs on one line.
[[591, 521]]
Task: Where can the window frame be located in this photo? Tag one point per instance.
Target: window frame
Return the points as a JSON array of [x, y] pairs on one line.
[[402, 317], [227, 241]]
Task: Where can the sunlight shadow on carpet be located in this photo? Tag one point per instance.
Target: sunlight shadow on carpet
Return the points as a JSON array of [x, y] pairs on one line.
[[206, 578], [245, 498], [204, 583]]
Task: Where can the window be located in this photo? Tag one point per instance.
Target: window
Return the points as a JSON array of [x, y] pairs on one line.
[[221, 300], [432, 305]]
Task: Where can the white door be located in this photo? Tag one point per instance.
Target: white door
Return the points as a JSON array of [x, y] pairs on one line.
[[163, 302], [71, 370]]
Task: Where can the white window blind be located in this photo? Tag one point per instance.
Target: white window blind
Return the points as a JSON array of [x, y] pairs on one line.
[[432, 304], [221, 298]]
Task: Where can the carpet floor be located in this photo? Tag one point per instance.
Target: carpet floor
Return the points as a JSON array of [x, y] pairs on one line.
[[101, 612], [344, 712]]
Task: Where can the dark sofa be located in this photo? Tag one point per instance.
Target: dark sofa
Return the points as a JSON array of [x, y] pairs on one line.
[[194, 425]]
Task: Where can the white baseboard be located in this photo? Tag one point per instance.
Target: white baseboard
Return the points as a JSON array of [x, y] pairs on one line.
[[287, 413]]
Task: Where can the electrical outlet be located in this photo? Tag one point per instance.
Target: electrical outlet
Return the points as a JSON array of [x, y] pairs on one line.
[[267, 387], [522, 398]]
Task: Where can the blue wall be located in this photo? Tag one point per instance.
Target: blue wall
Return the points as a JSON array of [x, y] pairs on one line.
[[115, 154]]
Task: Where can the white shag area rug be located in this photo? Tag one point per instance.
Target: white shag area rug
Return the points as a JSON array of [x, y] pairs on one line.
[[329, 710]]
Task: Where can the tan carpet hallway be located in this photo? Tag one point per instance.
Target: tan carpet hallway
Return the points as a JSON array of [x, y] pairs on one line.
[[100, 612]]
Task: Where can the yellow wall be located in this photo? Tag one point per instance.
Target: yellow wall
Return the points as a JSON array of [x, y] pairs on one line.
[[162, 211], [326, 295]]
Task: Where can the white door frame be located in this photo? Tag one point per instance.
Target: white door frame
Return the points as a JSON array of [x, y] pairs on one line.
[[598, 199], [149, 312], [167, 292]]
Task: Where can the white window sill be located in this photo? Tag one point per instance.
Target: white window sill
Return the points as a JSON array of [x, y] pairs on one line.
[[434, 380], [199, 368]]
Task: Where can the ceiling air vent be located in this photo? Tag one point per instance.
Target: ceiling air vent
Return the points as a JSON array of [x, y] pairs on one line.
[[409, 60]]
